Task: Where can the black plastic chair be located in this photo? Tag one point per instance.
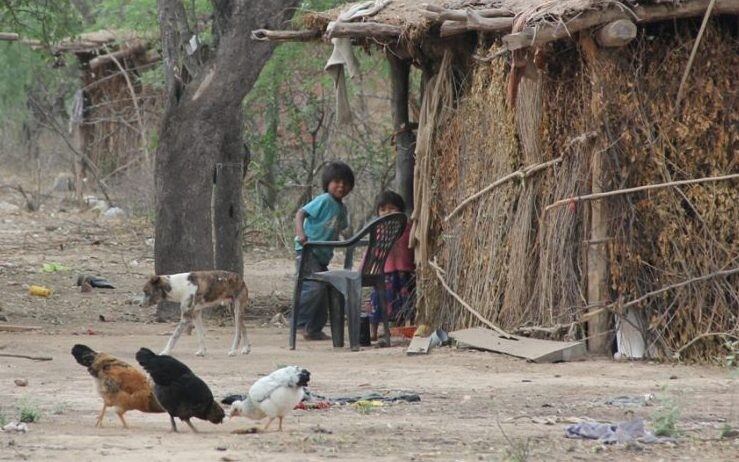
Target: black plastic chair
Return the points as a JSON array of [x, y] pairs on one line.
[[383, 233]]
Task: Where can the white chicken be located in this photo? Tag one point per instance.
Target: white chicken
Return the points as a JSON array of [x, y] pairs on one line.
[[272, 396]]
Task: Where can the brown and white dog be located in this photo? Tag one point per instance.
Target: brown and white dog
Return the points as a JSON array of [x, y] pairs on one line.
[[196, 291]]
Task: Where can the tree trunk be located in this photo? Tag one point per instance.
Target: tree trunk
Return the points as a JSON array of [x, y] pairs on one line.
[[200, 161], [405, 139]]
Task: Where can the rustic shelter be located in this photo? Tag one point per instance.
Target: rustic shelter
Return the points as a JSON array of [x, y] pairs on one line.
[[574, 168], [114, 114]]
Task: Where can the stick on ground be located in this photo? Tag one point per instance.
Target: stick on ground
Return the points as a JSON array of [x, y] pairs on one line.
[[34, 358]]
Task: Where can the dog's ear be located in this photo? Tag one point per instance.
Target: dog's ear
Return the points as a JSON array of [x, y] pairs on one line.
[[155, 279]]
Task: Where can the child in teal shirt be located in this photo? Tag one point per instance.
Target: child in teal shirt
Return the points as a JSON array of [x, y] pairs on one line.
[[321, 219]]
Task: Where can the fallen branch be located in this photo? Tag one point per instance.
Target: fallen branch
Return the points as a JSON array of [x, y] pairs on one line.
[[265, 35], [522, 173], [621, 308], [33, 358], [619, 192], [438, 272], [676, 355], [681, 89], [8, 37]]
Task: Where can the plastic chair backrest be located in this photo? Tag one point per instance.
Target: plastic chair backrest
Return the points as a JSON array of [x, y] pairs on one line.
[[383, 233]]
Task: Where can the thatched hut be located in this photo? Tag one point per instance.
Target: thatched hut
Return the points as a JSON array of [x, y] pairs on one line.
[[574, 167], [114, 115]]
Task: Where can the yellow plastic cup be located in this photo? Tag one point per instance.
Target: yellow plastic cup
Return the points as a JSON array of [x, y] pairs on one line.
[[39, 291]]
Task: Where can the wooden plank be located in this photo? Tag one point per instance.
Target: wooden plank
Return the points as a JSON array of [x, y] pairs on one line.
[[536, 350], [419, 346], [17, 328]]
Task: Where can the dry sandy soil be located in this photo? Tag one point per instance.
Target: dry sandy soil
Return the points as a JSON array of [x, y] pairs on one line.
[[474, 405]]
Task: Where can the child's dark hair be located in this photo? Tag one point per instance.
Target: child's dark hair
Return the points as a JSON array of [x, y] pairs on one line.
[[388, 197], [337, 170]]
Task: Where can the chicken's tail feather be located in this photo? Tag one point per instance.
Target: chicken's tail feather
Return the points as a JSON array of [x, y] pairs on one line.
[[231, 398], [84, 354], [303, 378]]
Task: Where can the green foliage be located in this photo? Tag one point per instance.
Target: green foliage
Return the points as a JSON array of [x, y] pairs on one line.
[[22, 69], [141, 15], [45, 20], [727, 432], [665, 419], [29, 412]]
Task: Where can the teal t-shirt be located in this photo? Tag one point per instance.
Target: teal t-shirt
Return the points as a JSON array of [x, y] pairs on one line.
[[325, 218]]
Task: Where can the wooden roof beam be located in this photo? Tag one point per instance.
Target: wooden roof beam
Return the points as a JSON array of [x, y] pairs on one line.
[[545, 33], [264, 35], [8, 37]]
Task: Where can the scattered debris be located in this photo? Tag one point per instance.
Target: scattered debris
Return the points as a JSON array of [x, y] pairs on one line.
[[625, 401], [246, 431], [673, 377], [221, 448], [21, 382], [370, 396], [319, 429], [608, 433], [39, 291], [114, 214], [94, 281], [7, 207], [18, 427], [278, 320], [538, 351], [419, 346], [53, 267], [101, 318]]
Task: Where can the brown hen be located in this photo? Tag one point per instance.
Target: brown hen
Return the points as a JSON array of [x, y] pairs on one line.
[[120, 385]]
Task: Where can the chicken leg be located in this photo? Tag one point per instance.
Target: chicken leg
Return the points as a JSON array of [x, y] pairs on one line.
[[268, 423], [195, 430], [99, 422], [174, 426], [280, 426]]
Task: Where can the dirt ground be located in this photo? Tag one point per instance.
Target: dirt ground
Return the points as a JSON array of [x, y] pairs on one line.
[[474, 405]]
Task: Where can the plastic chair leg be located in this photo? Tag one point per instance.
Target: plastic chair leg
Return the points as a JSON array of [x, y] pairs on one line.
[[353, 314], [336, 315]]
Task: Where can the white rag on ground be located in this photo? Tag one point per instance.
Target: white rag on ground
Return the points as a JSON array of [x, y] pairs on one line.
[[342, 56]]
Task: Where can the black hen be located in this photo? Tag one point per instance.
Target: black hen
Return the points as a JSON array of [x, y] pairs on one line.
[[179, 391]]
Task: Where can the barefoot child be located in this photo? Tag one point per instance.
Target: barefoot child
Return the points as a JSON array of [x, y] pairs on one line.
[[399, 270], [321, 219]]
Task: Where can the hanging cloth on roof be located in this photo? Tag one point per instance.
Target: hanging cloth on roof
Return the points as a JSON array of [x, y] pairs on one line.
[[343, 57]]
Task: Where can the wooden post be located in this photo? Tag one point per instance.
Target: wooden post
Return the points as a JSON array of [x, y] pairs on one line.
[[599, 339], [405, 139]]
